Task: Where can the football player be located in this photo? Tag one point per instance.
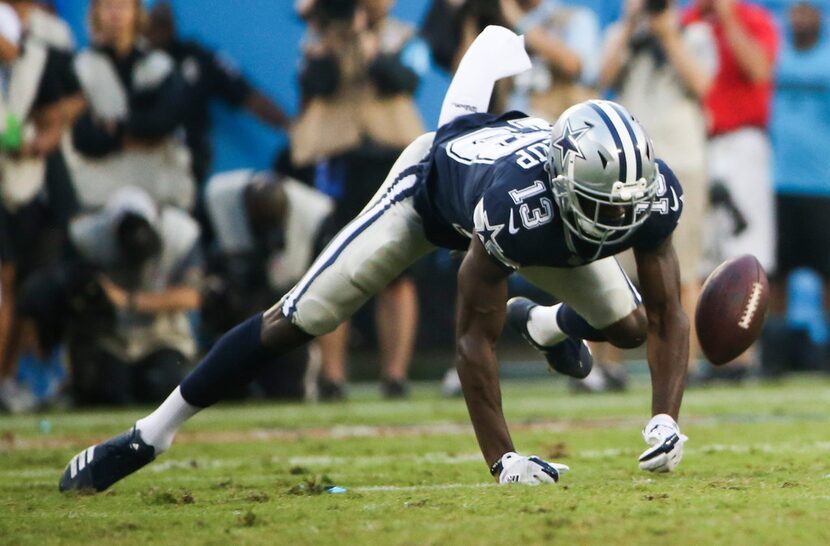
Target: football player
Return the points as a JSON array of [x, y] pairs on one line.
[[554, 204]]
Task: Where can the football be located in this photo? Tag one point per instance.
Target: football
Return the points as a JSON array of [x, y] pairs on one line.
[[731, 309]]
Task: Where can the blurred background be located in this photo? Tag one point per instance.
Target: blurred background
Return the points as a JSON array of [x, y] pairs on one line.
[[169, 168], [263, 37]]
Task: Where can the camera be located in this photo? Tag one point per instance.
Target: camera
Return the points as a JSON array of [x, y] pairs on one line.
[[656, 6], [66, 299], [332, 11]]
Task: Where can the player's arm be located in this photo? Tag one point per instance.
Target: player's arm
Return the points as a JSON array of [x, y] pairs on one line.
[[668, 353], [482, 291], [668, 326]]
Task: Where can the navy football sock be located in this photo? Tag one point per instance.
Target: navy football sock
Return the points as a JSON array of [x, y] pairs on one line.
[[232, 363], [576, 326]]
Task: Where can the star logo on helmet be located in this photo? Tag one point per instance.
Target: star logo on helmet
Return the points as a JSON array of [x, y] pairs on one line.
[[568, 143]]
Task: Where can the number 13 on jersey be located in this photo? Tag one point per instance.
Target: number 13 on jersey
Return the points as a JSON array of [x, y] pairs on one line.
[[532, 217]]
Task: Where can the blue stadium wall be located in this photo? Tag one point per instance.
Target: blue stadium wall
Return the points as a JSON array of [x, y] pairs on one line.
[[262, 37]]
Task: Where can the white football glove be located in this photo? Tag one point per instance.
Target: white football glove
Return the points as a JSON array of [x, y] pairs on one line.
[[666, 441], [530, 470]]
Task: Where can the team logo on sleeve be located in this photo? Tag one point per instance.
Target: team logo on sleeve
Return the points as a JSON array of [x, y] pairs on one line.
[[487, 233], [675, 201], [512, 226], [568, 143]]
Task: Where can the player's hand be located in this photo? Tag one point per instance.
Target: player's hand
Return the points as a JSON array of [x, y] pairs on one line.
[[529, 470], [666, 444]]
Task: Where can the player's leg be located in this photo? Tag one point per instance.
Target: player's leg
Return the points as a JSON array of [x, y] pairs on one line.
[[364, 257], [599, 303], [609, 369], [396, 316], [359, 261], [334, 353], [233, 361], [329, 294]]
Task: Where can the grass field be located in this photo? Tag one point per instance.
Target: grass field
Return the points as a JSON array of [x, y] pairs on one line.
[[756, 471]]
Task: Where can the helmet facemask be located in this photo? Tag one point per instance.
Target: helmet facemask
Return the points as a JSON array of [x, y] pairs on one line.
[[598, 217], [603, 173]]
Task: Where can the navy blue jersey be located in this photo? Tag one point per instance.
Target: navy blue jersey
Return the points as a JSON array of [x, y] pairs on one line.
[[485, 175]]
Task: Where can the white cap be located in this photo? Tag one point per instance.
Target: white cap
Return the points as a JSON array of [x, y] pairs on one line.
[[131, 199]]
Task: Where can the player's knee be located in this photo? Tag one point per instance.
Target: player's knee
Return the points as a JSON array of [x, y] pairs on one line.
[[628, 332], [280, 334]]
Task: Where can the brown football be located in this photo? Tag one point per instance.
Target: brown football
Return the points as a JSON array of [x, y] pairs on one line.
[[731, 309]]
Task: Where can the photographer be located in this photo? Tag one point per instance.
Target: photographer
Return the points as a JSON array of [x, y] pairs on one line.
[[564, 42], [267, 232], [137, 103], [124, 302], [39, 99], [739, 154], [207, 75], [359, 71], [662, 71], [651, 34]]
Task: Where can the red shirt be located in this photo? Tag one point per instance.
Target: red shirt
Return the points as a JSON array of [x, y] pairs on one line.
[[734, 101]]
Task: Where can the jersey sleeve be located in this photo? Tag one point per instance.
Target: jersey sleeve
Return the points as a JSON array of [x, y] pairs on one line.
[[515, 224], [490, 227], [666, 211]]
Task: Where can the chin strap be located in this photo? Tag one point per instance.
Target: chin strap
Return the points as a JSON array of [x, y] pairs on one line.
[[569, 241]]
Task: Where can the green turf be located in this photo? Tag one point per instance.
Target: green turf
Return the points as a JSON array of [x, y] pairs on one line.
[[756, 471]]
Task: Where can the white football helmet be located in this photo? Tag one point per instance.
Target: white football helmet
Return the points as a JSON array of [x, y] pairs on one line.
[[603, 172]]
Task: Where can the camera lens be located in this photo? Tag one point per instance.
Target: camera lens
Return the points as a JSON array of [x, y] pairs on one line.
[[656, 6]]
